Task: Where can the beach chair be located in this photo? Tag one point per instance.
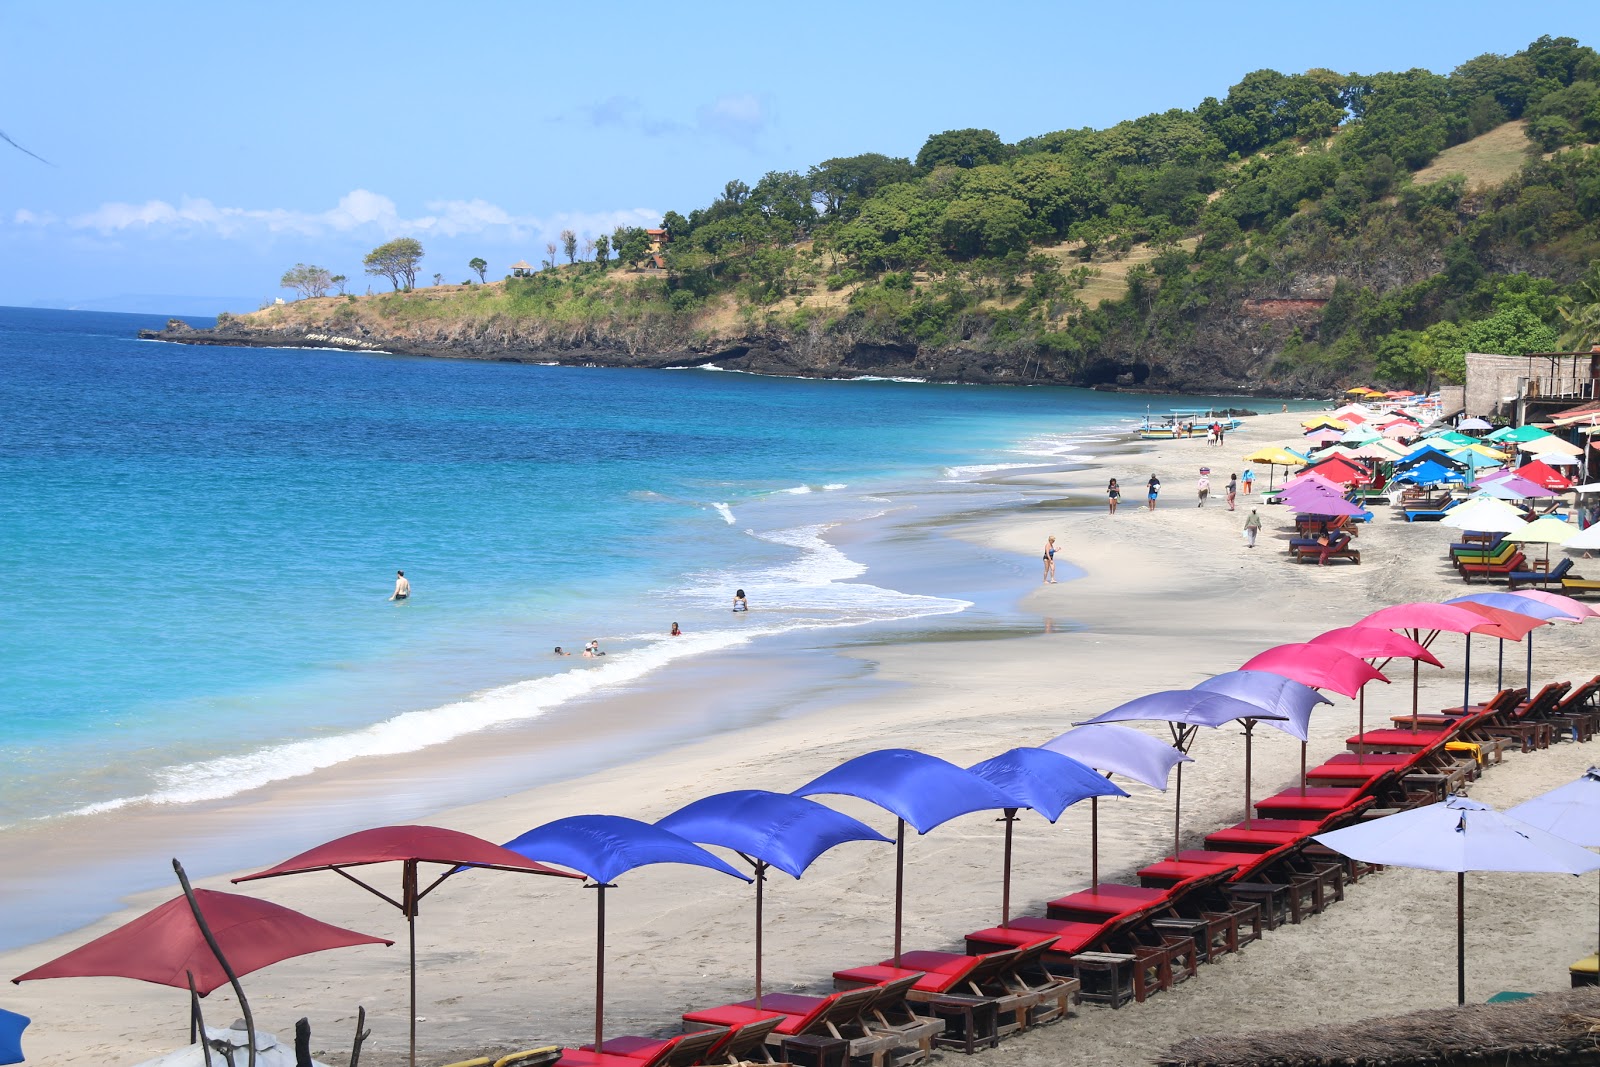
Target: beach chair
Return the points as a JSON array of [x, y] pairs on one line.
[[1574, 586], [680, 1050], [1499, 552], [1586, 972], [1492, 571], [1539, 579], [1161, 960], [1339, 548], [532, 1057], [1574, 712], [807, 1025]]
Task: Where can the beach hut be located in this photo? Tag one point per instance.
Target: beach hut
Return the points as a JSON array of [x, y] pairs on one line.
[[521, 269]]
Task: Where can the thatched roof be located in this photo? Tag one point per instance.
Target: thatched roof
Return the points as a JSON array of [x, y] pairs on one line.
[[1552, 1028]]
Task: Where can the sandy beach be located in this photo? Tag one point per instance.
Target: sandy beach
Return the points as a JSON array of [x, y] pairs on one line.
[[1167, 599]]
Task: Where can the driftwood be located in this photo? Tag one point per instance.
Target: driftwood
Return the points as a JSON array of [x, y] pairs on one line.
[[1552, 1028]]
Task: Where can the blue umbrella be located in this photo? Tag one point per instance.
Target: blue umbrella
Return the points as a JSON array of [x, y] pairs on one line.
[[917, 788], [603, 847], [1044, 781], [1522, 606], [1184, 711], [11, 1027], [1275, 693], [767, 830], [1117, 750]]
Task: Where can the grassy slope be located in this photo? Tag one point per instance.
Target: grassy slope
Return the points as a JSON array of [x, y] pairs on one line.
[[1485, 161]]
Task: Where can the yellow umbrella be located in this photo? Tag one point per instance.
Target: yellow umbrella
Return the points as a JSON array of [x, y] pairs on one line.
[[1325, 420], [1274, 456], [1482, 450]]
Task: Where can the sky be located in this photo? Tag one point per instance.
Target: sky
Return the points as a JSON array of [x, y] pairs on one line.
[[197, 151]]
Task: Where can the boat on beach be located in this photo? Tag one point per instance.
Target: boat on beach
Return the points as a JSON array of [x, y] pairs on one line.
[[1183, 422]]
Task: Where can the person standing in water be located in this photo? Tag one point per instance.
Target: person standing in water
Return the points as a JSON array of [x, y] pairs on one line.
[[1050, 559], [402, 588], [739, 603], [675, 631]]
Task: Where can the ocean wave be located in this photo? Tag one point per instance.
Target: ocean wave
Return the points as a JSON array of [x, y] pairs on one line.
[[412, 731], [797, 489], [725, 511], [956, 474]]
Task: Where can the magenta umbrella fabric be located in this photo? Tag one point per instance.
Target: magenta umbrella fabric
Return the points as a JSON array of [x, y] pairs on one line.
[[1374, 642], [1318, 666]]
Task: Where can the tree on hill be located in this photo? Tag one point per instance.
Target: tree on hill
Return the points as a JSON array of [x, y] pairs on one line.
[[478, 266], [307, 280], [962, 148], [602, 250], [631, 244], [340, 281], [396, 260], [569, 245]]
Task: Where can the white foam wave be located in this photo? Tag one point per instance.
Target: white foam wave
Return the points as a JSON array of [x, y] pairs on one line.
[[797, 489], [412, 731], [726, 512], [834, 487], [955, 474]]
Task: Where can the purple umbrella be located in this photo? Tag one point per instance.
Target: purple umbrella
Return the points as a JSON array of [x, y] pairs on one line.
[[1184, 711], [1276, 694], [1117, 750]]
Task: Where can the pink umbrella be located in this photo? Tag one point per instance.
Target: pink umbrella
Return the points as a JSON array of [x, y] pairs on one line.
[[1373, 643], [1424, 616], [1323, 437], [1556, 600], [1319, 666]]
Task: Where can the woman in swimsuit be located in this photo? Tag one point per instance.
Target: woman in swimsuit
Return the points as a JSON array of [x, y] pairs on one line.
[[1050, 559], [739, 601], [1113, 494]]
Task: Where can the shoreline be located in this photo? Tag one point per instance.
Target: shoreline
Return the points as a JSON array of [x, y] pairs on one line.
[[1166, 599]]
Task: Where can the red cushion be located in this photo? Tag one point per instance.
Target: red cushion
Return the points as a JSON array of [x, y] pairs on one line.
[[580, 1058], [1071, 936], [1398, 739], [1179, 870], [639, 1048], [929, 980], [739, 1015], [1111, 905], [1325, 798]]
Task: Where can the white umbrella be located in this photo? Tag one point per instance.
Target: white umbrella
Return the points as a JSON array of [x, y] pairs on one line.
[[1556, 459], [1473, 424], [1485, 514], [1585, 490], [1586, 539], [1549, 443], [1570, 811], [1460, 835]]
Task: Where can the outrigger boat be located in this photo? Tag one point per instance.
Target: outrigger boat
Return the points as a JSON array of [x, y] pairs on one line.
[[1172, 425]]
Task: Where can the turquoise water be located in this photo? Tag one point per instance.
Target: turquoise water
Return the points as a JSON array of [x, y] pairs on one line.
[[199, 542]]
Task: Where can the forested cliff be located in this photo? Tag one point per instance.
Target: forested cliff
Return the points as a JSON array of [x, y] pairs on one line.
[[1305, 231]]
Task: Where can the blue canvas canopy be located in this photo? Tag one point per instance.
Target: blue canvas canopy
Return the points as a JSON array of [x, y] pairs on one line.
[[1277, 694], [11, 1027]]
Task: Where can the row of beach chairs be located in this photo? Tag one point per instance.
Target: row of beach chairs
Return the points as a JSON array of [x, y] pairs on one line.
[[1115, 943], [1492, 558]]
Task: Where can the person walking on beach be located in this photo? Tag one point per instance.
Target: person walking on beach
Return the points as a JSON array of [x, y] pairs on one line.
[[1204, 486], [1248, 481], [1233, 489], [402, 588], [1050, 560], [1211, 434], [1113, 494], [1152, 488], [1222, 434], [1252, 526]]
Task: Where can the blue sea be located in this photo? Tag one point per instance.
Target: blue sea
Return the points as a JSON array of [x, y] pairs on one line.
[[198, 543]]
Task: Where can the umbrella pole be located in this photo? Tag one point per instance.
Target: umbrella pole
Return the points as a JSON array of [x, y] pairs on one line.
[[216, 950], [600, 969], [1249, 725], [1530, 664], [761, 879], [1177, 810], [1361, 724], [1466, 679], [409, 899], [899, 883], [1005, 884], [1303, 746], [1500, 668], [1461, 937], [1094, 842], [1416, 677]]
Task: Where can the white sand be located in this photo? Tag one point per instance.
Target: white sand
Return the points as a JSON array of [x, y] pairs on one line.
[[1170, 598]]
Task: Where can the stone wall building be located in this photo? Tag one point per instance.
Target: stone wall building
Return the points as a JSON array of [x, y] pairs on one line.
[[1527, 388]]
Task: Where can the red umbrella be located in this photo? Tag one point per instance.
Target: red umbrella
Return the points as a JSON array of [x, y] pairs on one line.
[[166, 946], [1319, 666], [407, 845], [201, 941], [1424, 616], [1372, 643]]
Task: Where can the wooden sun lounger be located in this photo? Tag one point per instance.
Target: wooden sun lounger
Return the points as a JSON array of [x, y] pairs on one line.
[[1575, 712], [1489, 571], [1574, 586], [840, 1017], [1539, 578], [681, 1050]]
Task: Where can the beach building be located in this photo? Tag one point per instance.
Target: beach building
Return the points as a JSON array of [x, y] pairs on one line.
[[658, 242], [1532, 387], [520, 269]]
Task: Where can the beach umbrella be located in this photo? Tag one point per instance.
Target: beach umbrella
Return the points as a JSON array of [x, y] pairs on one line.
[[1520, 606], [1459, 836], [1328, 421], [1318, 666], [1274, 457], [1041, 780], [410, 846], [1587, 539], [767, 830], [916, 788], [1505, 625], [1423, 621], [1576, 608], [1549, 443], [1570, 811], [1512, 488], [1546, 530], [11, 1027], [1557, 459], [201, 941], [603, 847], [1184, 711], [1399, 429], [1323, 437], [1118, 750], [1473, 424], [1371, 643], [1360, 435], [1277, 694], [1545, 475], [1484, 515], [1324, 506]]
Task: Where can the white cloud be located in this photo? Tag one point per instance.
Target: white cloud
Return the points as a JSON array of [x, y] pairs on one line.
[[737, 117], [360, 211]]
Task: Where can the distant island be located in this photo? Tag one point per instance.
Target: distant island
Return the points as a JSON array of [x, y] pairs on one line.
[[1305, 232]]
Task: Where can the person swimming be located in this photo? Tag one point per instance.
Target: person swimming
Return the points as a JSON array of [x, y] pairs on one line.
[[739, 603], [402, 588], [561, 653], [675, 631]]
